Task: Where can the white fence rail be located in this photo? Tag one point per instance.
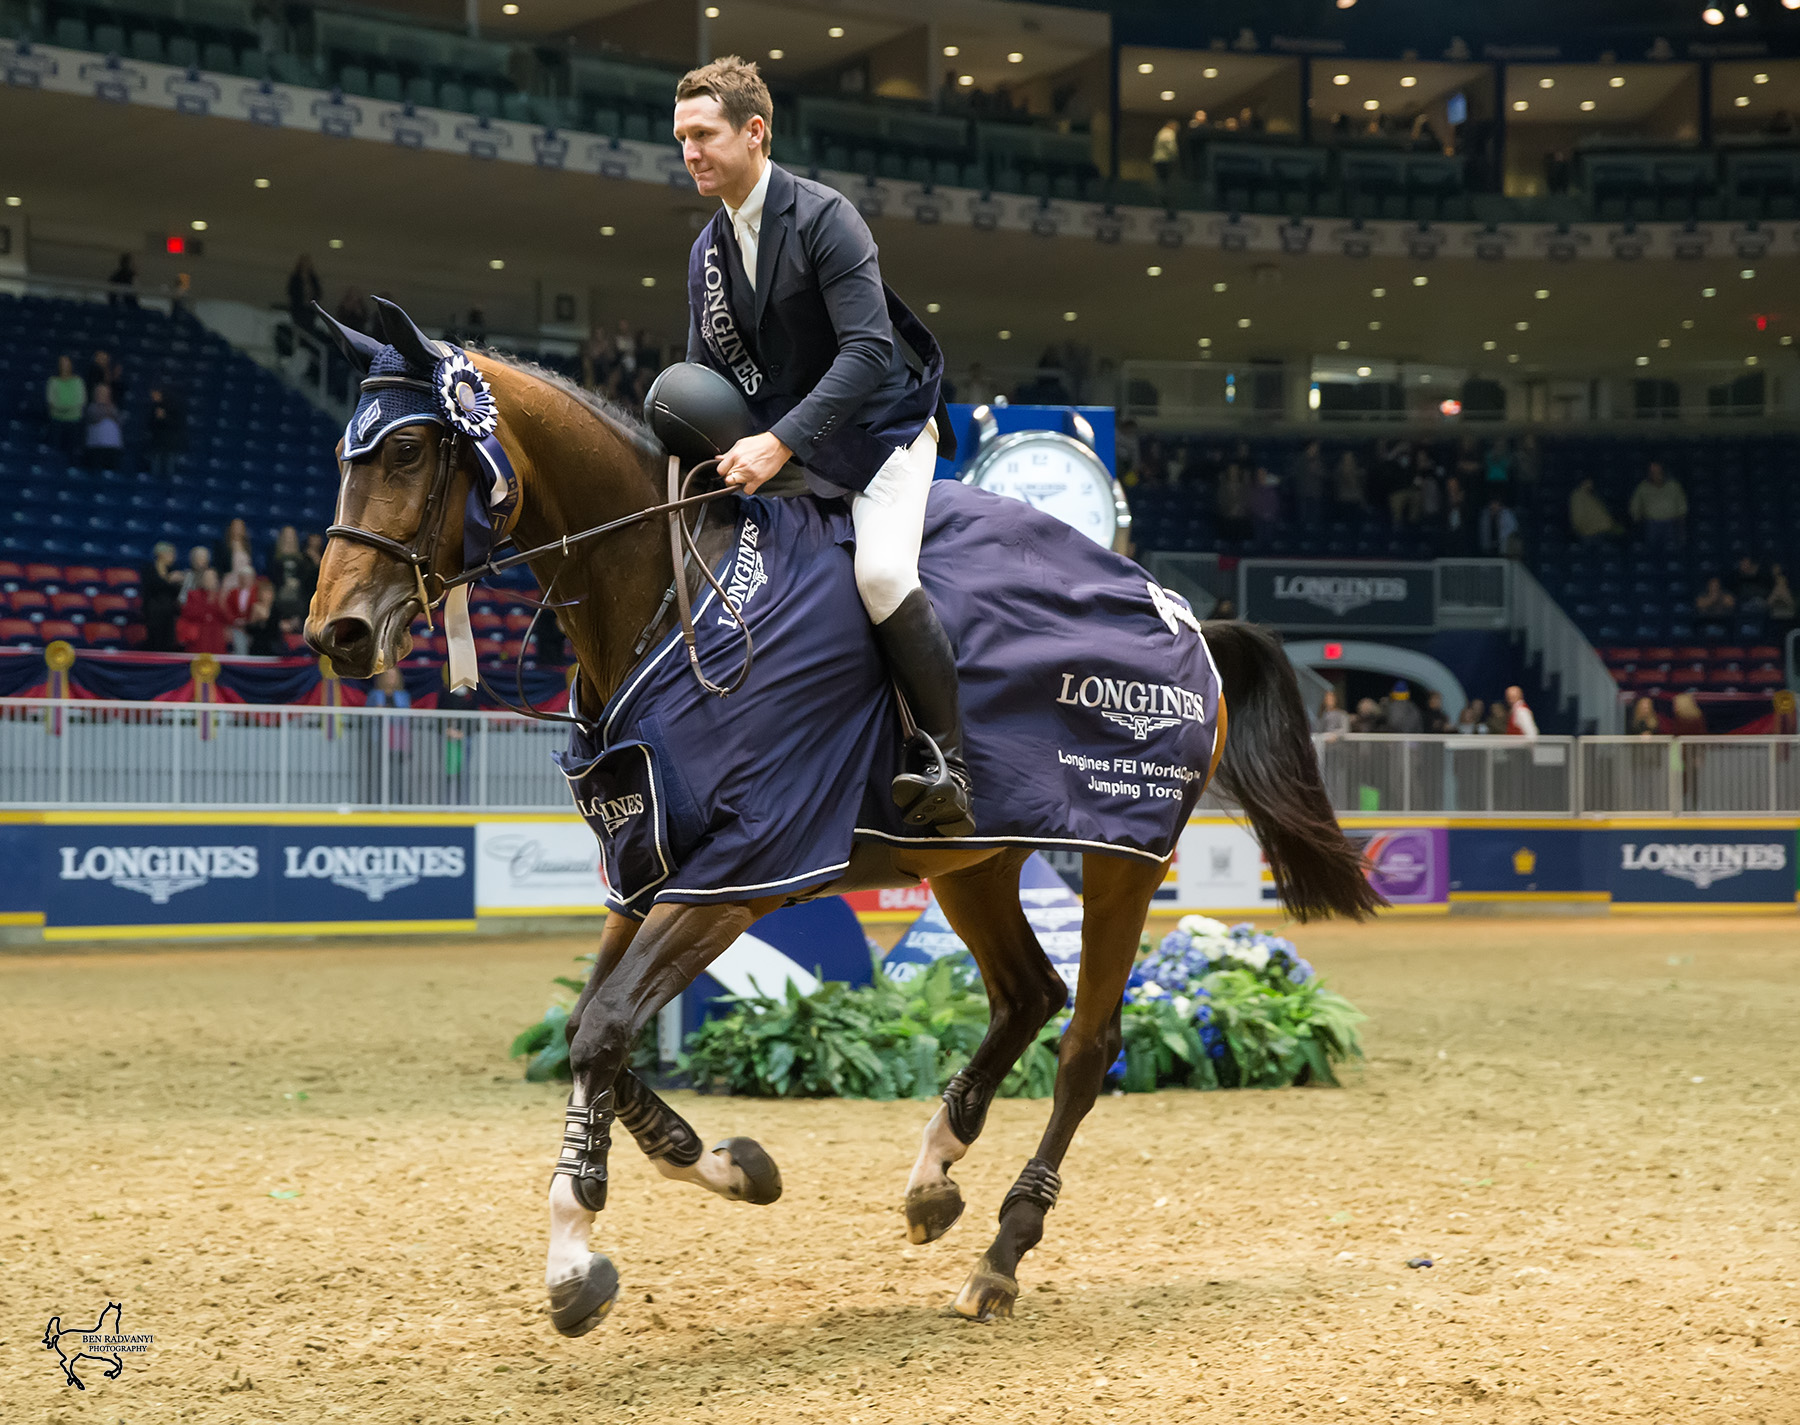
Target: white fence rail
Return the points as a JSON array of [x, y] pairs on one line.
[[186, 755]]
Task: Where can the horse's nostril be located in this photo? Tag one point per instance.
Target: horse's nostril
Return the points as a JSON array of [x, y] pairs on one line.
[[347, 632]]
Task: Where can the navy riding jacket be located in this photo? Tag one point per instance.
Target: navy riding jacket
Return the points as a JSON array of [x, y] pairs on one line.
[[820, 348]]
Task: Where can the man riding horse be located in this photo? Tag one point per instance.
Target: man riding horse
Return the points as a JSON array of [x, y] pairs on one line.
[[786, 300]]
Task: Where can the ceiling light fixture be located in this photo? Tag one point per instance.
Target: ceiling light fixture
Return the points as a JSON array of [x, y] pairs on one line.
[[965, 80], [1546, 83], [1218, 286], [509, 9], [335, 244], [777, 54], [1153, 272], [1146, 68], [1747, 273], [1243, 321], [1209, 73], [1005, 335], [646, 281], [1489, 345], [1688, 325], [1759, 79], [1374, 326], [1408, 81], [1587, 106], [1713, 15], [1365, 371], [1343, 346], [1421, 280], [1709, 291], [1205, 342], [1521, 326], [497, 263], [934, 307], [260, 182], [1787, 341], [608, 230], [1542, 294], [1521, 105], [1068, 316], [1340, 79], [1167, 95], [712, 12], [1617, 81], [1742, 12], [1663, 342], [1378, 291], [1015, 58], [836, 32], [1742, 101], [1371, 104], [1512, 356], [13, 200], [1643, 361], [1346, 4], [951, 51], [198, 225]]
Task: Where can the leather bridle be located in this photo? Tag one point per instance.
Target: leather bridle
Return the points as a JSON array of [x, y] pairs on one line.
[[418, 552]]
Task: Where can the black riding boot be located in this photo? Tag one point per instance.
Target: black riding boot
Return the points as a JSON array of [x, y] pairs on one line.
[[919, 655]]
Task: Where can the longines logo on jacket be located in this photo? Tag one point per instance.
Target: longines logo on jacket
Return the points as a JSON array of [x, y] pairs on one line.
[[159, 872], [612, 812], [375, 871], [719, 330], [747, 572], [1701, 863], [1139, 708]]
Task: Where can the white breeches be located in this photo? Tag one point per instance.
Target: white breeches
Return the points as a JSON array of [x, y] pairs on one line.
[[889, 518]]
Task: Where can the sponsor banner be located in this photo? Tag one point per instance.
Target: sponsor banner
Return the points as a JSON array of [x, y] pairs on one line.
[[1547, 862], [904, 903], [1339, 597], [225, 873], [1051, 909], [1410, 865], [549, 867], [1219, 866], [1692, 864]]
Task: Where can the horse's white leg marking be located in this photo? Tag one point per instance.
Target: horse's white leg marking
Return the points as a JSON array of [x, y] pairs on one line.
[[937, 1151], [714, 1171], [570, 1224]]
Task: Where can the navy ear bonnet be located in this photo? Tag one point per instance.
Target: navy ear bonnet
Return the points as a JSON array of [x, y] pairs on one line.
[[459, 397]]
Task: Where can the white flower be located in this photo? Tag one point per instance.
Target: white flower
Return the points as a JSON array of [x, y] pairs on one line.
[[1203, 927], [1151, 990], [1183, 1006], [1252, 954]]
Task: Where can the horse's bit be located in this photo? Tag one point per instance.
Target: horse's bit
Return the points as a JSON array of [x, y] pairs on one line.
[[683, 543]]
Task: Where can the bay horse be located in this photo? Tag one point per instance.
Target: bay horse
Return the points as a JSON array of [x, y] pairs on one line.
[[578, 464]]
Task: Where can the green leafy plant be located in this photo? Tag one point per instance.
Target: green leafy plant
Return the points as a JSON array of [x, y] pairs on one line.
[[547, 1041]]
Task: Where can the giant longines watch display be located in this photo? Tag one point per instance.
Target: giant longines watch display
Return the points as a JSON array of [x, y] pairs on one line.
[[1053, 471]]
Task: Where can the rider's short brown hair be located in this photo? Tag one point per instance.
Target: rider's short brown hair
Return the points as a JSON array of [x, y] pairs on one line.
[[739, 89]]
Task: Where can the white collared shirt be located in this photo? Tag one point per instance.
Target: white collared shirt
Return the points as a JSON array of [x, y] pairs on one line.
[[746, 222]]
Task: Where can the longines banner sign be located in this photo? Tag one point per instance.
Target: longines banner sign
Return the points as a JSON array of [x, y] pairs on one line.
[[1338, 597]]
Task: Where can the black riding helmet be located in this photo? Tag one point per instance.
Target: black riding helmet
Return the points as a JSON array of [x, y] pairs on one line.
[[696, 413]]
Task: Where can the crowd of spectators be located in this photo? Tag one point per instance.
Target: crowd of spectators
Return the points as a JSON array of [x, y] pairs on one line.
[[1398, 712], [1460, 495], [219, 601]]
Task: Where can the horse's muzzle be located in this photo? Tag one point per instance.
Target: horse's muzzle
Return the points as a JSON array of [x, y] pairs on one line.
[[348, 642]]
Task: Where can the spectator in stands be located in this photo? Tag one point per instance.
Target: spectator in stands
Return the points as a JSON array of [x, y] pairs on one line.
[[1165, 153], [1498, 534], [303, 290], [1427, 492], [1331, 720], [104, 371], [1265, 502], [1393, 482], [1497, 473], [1368, 717], [1399, 713], [1496, 724], [1468, 721], [287, 576], [1753, 584], [1644, 721], [1688, 719], [1457, 526], [105, 431], [201, 627], [1589, 519], [263, 634], [1232, 503], [312, 554], [168, 430], [1437, 722], [1528, 462], [199, 561], [1714, 599], [237, 595], [1349, 484], [162, 589], [1519, 721], [596, 357], [1781, 596], [123, 283], [65, 401], [231, 555], [1306, 477], [352, 311], [1659, 508]]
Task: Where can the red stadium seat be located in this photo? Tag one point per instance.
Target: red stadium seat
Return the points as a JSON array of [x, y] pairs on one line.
[[1692, 655], [518, 620], [12, 576], [1767, 676], [100, 633], [45, 576], [1616, 656], [84, 577], [486, 623], [121, 578], [1729, 655], [1659, 655], [70, 603], [1647, 678], [1764, 653], [134, 634], [30, 603], [1689, 677], [17, 632], [115, 608], [54, 628]]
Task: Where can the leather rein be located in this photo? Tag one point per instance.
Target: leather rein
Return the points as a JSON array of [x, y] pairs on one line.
[[684, 549]]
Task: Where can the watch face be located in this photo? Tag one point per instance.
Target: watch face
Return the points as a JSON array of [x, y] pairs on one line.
[[1057, 476]]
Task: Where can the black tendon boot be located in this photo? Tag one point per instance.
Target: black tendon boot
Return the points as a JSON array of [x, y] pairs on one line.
[[919, 655]]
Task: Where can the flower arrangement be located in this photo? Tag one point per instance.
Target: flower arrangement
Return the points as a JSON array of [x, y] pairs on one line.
[[1211, 1006], [1218, 1006]]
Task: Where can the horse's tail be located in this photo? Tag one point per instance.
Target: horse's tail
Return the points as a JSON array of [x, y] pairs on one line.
[[1270, 769]]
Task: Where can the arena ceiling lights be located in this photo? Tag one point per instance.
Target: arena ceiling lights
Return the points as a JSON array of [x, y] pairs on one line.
[[1398, 87], [1175, 83], [1588, 93]]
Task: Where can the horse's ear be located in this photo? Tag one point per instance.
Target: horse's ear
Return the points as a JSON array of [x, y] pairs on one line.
[[404, 336], [358, 350]]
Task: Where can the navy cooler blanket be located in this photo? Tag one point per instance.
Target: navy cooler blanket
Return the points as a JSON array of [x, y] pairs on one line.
[[1090, 700]]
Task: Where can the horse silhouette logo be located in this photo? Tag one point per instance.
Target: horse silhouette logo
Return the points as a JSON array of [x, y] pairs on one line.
[[93, 1343]]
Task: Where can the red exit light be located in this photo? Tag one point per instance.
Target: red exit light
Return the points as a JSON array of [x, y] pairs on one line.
[[175, 243], [1333, 652]]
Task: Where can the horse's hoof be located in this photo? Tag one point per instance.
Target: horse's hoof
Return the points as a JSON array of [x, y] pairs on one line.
[[762, 1177], [986, 1294], [581, 1303], [932, 1211]]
